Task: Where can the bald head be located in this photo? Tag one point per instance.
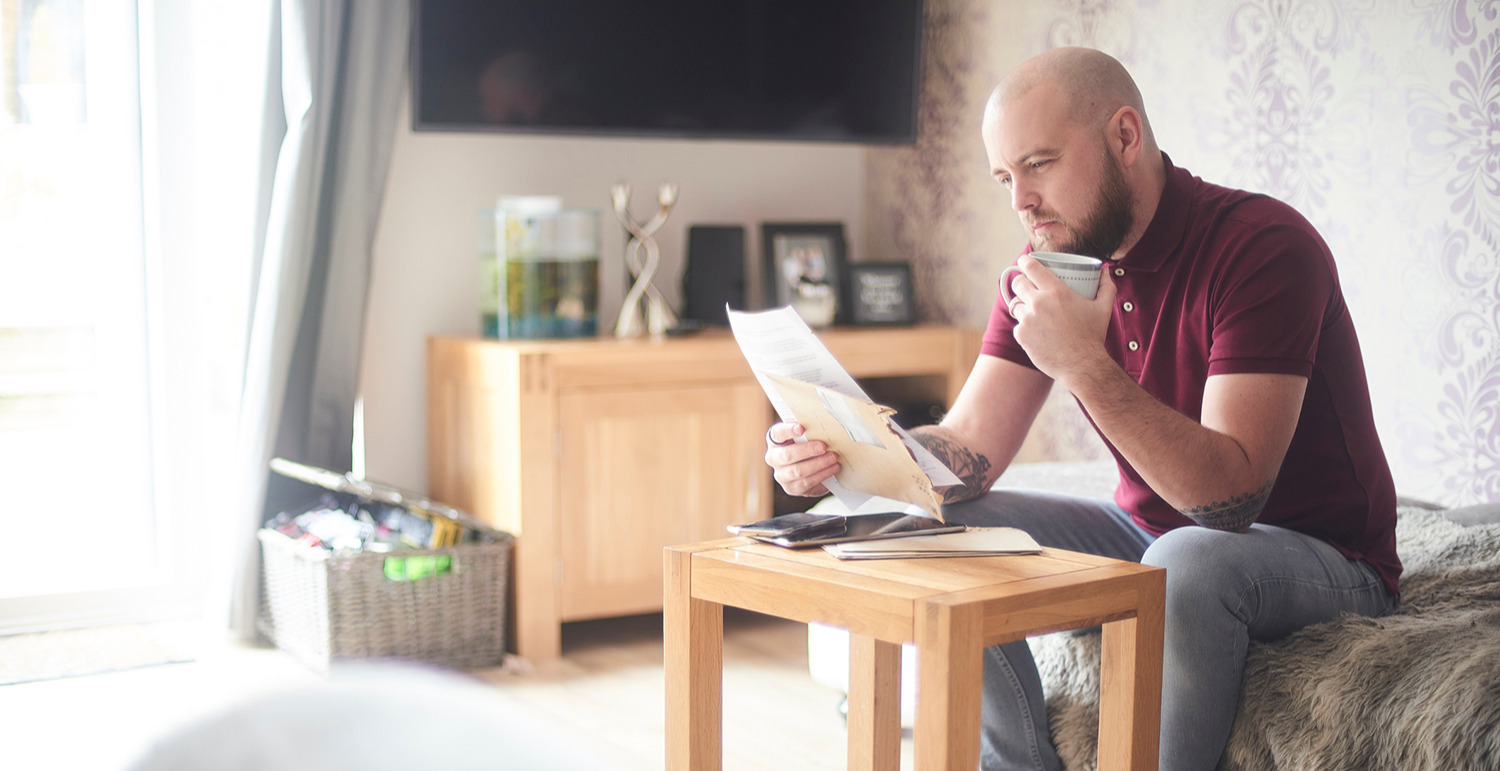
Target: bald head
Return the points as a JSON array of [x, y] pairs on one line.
[[1094, 85], [1066, 134]]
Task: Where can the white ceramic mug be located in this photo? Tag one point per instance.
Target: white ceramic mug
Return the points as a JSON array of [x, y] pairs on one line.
[[1080, 273]]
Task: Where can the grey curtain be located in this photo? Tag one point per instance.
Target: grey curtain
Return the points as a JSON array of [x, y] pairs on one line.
[[336, 73]]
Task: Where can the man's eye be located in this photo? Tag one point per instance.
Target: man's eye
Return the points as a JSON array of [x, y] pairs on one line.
[[1005, 181], [1039, 164]]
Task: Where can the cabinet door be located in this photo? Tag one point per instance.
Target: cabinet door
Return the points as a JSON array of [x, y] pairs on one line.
[[640, 470]]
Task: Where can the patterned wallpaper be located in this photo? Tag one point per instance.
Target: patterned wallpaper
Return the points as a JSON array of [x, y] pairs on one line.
[[1378, 119]]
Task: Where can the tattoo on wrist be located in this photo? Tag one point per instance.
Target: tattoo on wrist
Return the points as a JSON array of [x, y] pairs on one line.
[[971, 469], [1237, 513]]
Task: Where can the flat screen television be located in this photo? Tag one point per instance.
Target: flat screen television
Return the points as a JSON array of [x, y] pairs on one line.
[[833, 70]]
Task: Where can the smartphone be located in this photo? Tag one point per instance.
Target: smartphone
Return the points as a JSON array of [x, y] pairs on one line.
[[866, 527], [799, 524]]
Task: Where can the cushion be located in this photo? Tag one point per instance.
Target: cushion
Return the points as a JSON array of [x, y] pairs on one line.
[[380, 715], [1470, 516]]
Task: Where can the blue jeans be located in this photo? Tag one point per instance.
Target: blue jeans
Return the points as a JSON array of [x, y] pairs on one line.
[[1223, 590]]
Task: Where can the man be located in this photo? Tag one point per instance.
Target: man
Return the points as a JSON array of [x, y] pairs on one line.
[[1220, 365]]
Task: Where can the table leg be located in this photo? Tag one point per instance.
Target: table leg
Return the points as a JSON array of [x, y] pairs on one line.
[[693, 637], [950, 672], [1130, 684], [874, 704]]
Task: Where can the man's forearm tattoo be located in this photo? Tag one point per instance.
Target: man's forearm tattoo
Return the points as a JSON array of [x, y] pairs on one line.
[[971, 469], [1237, 513]]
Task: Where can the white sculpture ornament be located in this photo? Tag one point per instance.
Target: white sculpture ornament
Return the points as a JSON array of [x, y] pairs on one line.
[[658, 316]]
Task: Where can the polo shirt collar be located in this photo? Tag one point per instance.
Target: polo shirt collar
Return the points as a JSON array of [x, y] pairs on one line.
[[1167, 226]]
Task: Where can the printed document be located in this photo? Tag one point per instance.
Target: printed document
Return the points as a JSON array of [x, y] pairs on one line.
[[807, 385]]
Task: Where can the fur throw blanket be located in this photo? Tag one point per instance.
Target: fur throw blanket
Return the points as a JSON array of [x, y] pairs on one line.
[[1418, 690]]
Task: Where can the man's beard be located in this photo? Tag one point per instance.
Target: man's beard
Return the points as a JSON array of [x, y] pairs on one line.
[[1104, 227]]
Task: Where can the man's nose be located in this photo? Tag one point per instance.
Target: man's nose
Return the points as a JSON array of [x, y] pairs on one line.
[[1023, 196]]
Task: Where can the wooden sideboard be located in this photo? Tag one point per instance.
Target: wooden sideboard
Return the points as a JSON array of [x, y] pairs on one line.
[[598, 453]]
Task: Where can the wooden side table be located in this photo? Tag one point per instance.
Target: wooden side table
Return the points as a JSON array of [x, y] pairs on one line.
[[951, 608]]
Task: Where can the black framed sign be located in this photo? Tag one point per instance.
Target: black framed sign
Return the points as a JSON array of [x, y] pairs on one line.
[[880, 293], [804, 266]]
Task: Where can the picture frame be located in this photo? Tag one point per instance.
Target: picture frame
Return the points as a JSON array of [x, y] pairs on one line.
[[879, 293], [804, 268]]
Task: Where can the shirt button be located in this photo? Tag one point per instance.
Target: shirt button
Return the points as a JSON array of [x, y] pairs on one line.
[[1133, 345], [1119, 271], [1128, 306]]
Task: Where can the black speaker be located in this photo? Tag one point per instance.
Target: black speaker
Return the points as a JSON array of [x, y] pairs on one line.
[[715, 273]]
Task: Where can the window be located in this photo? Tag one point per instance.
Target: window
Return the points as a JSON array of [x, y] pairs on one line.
[[75, 413]]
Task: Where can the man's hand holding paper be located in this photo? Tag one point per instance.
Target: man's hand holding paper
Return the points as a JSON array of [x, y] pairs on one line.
[[779, 345], [800, 467], [872, 459]]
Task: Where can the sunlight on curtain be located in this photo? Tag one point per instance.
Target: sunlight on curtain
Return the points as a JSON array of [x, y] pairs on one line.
[[204, 105]]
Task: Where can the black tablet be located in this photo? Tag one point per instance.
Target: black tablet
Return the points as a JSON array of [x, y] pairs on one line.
[[865, 527], [800, 524]]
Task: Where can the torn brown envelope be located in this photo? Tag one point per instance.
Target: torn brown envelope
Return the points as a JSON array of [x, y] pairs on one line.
[[872, 457]]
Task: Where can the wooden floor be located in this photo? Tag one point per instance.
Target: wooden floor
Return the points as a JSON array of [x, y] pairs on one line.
[[775, 715], [609, 683]]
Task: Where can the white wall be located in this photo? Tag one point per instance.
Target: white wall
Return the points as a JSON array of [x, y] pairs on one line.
[[426, 278]]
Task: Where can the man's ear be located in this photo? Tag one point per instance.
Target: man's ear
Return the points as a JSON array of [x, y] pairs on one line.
[[1125, 135]]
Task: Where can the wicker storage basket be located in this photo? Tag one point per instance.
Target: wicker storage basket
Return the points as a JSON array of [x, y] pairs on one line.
[[322, 607]]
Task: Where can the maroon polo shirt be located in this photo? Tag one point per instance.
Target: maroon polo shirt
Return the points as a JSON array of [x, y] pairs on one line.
[[1224, 281]]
